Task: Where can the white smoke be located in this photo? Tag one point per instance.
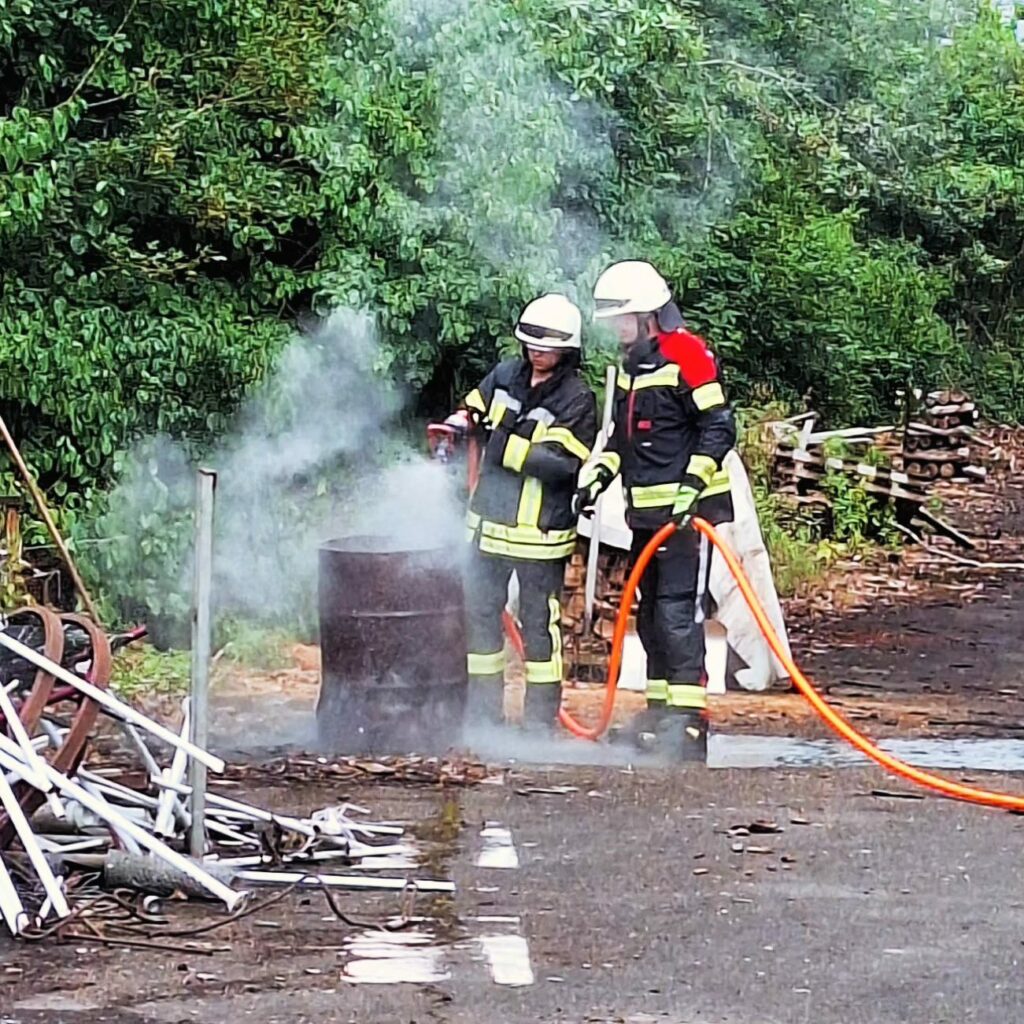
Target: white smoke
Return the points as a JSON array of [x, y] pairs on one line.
[[317, 453]]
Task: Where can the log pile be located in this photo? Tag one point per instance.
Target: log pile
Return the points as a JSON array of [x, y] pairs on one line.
[[940, 444], [937, 444], [586, 653]]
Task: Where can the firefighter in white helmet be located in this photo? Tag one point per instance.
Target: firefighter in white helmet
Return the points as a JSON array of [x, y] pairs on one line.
[[541, 422], [673, 428]]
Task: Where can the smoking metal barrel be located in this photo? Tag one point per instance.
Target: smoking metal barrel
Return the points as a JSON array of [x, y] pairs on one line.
[[393, 647]]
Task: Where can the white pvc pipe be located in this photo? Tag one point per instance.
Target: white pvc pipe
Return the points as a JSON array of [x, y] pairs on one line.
[[35, 855], [233, 835], [22, 738], [590, 581], [230, 897], [56, 845], [116, 790], [296, 824], [254, 860], [258, 814], [144, 752], [175, 774], [343, 881], [47, 906], [126, 840], [110, 703]]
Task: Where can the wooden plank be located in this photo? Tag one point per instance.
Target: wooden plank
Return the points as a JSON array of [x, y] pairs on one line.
[[940, 526]]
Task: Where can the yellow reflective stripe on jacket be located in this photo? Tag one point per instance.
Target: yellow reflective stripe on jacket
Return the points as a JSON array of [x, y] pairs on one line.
[[663, 377], [526, 541], [707, 396], [530, 552], [719, 484], [660, 495], [485, 664], [568, 440], [529, 502], [516, 450], [475, 400], [703, 467], [526, 534], [686, 695], [653, 496]]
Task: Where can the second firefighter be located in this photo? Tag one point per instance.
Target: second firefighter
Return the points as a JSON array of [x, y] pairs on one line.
[[541, 422]]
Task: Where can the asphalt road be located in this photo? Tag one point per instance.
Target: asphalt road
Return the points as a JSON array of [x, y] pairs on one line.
[[631, 901]]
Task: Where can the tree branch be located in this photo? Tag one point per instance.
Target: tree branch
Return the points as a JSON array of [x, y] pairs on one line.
[[91, 70], [787, 83]]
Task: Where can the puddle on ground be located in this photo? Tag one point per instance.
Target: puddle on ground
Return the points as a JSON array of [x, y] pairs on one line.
[[498, 850], [389, 958], [733, 751], [510, 744], [727, 750]]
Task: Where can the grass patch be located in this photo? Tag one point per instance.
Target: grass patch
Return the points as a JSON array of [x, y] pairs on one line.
[[141, 669], [253, 645]]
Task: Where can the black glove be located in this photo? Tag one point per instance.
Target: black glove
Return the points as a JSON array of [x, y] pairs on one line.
[[594, 481], [583, 502]]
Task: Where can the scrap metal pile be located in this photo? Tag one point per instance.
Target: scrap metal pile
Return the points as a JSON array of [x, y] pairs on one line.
[[71, 838]]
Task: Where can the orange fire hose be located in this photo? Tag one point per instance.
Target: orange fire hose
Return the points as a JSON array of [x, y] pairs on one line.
[[833, 719]]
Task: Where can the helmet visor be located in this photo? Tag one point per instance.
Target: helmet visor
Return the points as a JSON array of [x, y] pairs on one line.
[[541, 334]]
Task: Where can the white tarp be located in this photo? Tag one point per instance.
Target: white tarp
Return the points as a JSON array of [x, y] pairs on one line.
[[742, 635]]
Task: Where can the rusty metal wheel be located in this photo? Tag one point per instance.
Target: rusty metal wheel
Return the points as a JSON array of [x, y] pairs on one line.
[[44, 694]]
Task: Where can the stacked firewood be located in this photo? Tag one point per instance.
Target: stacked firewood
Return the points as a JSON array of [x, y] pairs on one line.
[[941, 444], [937, 444], [586, 653], [799, 472]]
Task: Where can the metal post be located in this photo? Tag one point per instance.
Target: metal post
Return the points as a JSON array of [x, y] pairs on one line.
[[206, 483], [590, 583]]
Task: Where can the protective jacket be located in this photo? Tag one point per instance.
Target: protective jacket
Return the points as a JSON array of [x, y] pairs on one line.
[[673, 428], [539, 438]]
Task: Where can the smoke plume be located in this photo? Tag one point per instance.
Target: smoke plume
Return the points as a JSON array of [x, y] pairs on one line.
[[317, 452]]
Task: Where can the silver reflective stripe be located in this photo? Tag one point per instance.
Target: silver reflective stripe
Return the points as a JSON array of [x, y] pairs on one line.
[[502, 396], [542, 415]]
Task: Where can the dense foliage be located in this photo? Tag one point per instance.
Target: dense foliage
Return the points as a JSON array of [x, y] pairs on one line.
[[837, 190]]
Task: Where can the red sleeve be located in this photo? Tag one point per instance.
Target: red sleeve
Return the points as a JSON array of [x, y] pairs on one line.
[[690, 352]]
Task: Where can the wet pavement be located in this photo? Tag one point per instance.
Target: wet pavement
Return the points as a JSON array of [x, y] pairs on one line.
[[592, 894]]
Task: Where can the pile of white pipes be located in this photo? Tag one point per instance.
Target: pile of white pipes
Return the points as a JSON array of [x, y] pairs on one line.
[[91, 819]]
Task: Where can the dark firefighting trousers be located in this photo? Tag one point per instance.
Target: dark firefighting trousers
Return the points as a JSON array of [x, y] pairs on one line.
[[670, 621], [540, 613]]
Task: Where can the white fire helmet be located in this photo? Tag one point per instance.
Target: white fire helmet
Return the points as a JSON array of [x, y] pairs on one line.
[[550, 322], [631, 286]]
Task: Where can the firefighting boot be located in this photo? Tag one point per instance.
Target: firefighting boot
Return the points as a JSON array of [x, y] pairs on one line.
[[540, 710], [676, 734], [682, 735], [485, 701], [642, 729]]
